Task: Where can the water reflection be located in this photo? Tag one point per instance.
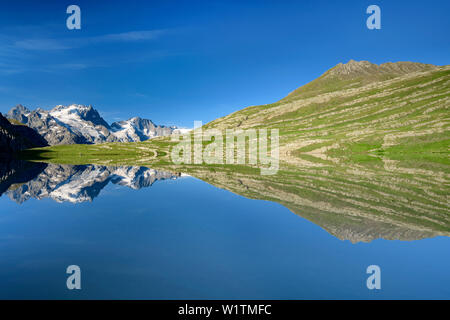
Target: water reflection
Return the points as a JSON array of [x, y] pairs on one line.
[[22, 180], [387, 199], [15, 172]]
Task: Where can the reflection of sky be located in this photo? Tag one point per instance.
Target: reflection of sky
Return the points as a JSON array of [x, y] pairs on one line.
[[187, 239]]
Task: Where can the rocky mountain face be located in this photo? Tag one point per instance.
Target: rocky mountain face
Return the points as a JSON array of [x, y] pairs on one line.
[[138, 129], [355, 74], [17, 137], [84, 125], [354, 68], [67, 183]]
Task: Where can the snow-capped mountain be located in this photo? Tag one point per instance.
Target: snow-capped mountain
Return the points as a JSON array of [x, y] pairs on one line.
[[83, 124], [137, 129]]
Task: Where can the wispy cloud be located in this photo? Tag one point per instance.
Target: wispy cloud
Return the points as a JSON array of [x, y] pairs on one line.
[[131, 36], [41, 44], [139, 95], [9, 69], [49, 44], [66, 66], [19, 53]]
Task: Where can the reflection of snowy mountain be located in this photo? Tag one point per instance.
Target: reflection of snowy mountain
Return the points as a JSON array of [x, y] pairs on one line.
[[83, 183]]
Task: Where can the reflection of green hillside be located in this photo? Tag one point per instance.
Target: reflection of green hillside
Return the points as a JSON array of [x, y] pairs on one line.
[[380, 198], [364, 152], [391, 199]]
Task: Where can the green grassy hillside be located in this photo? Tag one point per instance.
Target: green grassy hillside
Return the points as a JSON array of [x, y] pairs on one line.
[[405, 114]]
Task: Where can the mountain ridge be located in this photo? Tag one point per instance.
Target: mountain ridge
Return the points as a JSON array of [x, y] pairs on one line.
[[79, 124], [356, 73]]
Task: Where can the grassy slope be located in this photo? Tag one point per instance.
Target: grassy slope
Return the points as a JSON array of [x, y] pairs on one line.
[[14, 121], [407, 114], [362, 162]]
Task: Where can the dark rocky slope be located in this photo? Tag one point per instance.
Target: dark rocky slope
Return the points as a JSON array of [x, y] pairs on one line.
[[14, 138]]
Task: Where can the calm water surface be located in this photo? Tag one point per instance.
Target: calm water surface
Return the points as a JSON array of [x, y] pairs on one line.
[[141, 234]]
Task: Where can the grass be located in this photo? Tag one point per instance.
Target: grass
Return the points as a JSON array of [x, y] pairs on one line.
[[15, 122]]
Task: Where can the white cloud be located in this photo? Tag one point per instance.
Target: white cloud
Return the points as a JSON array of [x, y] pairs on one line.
[[18, 53], [40, 44], [48, 44], [131, 36]]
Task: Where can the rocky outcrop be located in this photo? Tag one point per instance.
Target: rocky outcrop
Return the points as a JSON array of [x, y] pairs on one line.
[[354, 68], [14, 138], [355, 74]]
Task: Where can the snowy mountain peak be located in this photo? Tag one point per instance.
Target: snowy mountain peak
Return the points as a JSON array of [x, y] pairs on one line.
[[83, 124], [138, 129], [78, 112]]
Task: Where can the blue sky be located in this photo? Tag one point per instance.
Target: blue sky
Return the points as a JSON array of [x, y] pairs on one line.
[[179, 61]]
